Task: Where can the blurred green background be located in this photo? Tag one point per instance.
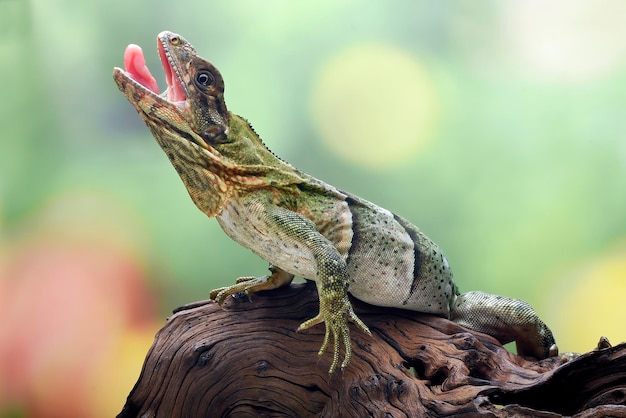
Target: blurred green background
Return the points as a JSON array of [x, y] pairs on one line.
[[497, 127]]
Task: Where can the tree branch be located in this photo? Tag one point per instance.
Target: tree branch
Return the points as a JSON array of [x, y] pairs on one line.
[[247, 360]]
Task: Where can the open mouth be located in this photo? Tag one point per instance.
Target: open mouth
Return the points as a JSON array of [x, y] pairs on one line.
[[136, 69]]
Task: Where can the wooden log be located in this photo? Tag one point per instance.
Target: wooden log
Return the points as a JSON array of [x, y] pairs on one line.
[[246, 360]]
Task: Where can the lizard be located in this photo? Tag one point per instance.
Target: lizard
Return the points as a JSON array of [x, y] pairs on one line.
[[301, 225]]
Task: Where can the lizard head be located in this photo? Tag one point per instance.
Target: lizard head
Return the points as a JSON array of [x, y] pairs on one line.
[[215, 152], [193, 102]]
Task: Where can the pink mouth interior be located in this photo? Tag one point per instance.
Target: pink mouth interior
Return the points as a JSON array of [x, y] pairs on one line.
[[135, 66]]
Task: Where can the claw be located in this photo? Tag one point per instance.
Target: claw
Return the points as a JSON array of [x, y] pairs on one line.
[[336, 328], [219, 295], [250, 285]]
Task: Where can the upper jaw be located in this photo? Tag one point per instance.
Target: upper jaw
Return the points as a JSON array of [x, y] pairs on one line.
[[176, 91]]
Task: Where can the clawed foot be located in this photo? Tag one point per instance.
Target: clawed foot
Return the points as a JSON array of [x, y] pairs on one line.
[[250, 285], [335, 315], [247, 285]]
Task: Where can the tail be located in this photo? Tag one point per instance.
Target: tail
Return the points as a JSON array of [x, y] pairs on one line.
[[505, 319]]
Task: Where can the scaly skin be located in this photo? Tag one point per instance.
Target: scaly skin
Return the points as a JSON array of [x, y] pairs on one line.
[[300, 224]]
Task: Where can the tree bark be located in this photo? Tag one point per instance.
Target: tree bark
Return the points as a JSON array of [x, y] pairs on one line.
[[246, 360]]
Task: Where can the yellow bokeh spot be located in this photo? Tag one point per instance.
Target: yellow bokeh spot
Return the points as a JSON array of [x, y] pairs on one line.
[[589, 303], [115, 383], [374, 105]]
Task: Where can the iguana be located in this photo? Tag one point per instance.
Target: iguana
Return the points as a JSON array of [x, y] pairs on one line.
[[299, 224]]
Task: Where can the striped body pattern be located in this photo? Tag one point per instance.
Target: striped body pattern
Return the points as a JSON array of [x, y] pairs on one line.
[[389, 261]]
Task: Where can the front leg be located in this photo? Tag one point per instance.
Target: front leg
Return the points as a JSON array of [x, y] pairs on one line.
[[332, 283], [273, 229]]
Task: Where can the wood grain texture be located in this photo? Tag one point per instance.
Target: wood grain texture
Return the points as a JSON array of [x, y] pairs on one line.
[[247, 361]]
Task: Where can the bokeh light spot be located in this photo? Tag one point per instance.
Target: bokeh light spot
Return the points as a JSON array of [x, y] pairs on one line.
[[590, 303], [565, 40], [374, 105]]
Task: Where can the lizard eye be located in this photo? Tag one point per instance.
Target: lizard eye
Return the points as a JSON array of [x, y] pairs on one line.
[[204, 79]]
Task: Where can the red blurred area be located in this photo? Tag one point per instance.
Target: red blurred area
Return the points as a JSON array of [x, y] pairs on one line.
[[67, 307]]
